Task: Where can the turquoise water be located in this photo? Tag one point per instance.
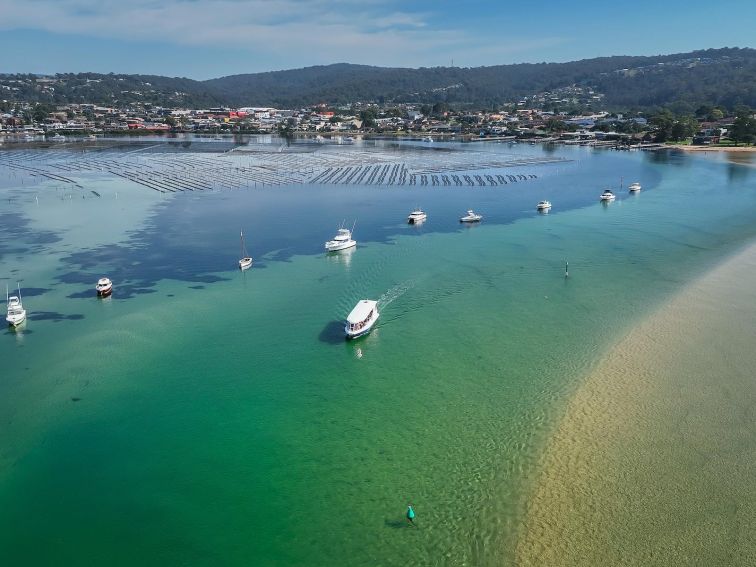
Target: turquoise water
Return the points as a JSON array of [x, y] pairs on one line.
[[203, 416]]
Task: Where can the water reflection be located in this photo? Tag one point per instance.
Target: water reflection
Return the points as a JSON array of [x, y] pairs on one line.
[[343, 257]]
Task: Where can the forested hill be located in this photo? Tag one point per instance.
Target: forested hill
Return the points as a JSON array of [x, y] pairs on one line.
[[716, 76]]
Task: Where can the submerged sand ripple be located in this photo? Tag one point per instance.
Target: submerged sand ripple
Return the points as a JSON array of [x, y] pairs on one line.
[[654, 462]]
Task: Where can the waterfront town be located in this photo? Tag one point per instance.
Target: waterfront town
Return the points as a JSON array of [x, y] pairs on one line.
[[569, 115]]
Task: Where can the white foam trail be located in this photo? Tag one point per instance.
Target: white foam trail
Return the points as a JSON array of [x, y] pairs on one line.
[[394, 293]]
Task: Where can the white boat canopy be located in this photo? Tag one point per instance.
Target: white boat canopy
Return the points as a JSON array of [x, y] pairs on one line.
[[361, 311]]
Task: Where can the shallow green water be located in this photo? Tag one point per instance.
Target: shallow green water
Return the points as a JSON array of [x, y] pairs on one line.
[[220, 417]]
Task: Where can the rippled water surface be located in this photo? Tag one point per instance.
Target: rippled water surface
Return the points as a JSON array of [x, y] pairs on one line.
[[205, 416]]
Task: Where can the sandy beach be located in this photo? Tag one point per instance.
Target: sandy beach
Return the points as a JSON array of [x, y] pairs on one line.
[[654, 460], [738, 149]]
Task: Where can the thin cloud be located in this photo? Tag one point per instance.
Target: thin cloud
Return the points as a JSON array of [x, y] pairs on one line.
[[301, 31]]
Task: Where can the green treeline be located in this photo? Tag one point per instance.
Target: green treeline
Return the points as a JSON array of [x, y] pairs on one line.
[[716, 77]]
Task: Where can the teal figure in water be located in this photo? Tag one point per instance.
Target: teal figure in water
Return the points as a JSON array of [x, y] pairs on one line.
[[410, 515]]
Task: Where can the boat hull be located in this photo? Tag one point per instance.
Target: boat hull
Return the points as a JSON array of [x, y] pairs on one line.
[[340, 246], [351, 335], [245, 264], [15, 321], [105, 292]]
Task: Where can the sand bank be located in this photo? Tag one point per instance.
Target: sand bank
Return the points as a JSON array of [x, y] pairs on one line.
[[714, 148], [654, 461]]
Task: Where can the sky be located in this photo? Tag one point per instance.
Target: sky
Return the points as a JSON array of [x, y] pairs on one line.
[[203, 39]]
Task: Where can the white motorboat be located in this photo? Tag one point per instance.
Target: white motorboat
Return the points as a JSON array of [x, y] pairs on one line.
[[104, 287], [58, 138], [634, 187], [16, 313], [416, 217], [246, 260], [427, 139], [471, 216], [543, 205], [607, 195], [362, 319], [341, 241]]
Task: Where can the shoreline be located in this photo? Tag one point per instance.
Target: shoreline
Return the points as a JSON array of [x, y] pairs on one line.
[[734, 149], [653, 460]]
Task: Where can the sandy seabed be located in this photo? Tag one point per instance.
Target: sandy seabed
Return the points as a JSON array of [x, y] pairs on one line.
[[654, 461]]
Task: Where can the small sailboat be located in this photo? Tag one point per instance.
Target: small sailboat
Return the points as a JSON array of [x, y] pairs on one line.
[[342, 240], [246, 260], [471, 216], [16, 313], [104, 287]]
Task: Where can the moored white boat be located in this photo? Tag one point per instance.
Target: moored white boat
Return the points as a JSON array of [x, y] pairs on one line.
[[16, 314], [246, 260], [607, 195], [471, 216], [361, 319], [104, 287], [341, 241], [417, 216], [543, 205], [427, 139], [634, 187]]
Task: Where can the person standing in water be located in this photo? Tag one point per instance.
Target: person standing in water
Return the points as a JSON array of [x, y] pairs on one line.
[[410, 515]]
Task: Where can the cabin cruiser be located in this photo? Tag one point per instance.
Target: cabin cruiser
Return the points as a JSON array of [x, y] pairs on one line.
[[634, 187], [416, 217], [471, 216], [16, 313], [607, 195], [543, 205], [104, 287], [341, 241], [362, 319]]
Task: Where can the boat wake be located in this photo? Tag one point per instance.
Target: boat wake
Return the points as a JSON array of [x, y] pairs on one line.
[[394, 293]]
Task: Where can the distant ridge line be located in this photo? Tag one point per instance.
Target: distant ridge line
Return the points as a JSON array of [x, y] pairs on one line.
[[725, 76]]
